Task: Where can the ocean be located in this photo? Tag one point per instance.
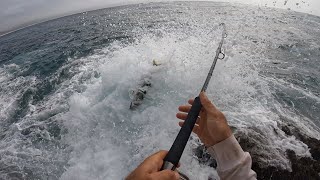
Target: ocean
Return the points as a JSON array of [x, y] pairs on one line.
[[65, 87]]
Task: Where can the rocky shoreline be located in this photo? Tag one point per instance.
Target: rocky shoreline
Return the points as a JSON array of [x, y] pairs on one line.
[[303, 168]]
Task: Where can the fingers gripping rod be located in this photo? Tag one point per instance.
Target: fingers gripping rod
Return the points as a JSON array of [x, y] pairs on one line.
[[173, 157]]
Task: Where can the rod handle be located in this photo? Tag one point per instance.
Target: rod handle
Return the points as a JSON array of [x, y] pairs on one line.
[[173, 157]]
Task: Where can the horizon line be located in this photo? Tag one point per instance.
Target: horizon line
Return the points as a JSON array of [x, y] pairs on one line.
[[40, 21]]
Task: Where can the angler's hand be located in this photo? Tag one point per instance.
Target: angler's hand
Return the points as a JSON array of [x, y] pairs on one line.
[[211, 126], [149, 169]]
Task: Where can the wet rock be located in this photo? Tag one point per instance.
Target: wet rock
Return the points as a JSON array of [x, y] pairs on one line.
[[302, 167], [286, 130], [313, 144], [204, 157]]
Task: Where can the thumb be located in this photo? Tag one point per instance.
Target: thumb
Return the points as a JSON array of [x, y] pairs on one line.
[[206, 103], [165, 175]]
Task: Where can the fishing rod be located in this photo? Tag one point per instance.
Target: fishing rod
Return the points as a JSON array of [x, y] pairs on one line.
[[172, 159]]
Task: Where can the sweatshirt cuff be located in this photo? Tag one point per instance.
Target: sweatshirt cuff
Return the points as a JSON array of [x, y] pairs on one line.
[[228, 153]]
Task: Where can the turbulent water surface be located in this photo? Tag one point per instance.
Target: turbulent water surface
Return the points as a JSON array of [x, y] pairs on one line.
[[65, 83]]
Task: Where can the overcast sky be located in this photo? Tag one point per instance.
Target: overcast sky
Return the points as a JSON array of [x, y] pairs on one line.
[[17, 13]]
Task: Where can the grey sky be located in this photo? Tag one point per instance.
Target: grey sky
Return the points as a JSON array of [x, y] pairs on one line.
[[17, 13]]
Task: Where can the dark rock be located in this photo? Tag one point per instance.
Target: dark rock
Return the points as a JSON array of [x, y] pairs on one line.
[[313, 144], [204, 157], [286, 130], [303, 168]]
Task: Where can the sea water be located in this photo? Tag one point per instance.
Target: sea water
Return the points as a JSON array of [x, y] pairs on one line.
[[65, 84]]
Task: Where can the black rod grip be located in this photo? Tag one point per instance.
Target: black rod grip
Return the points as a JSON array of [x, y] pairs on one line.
[[182, 138]]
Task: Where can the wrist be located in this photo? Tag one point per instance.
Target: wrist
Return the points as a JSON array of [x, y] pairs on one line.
[[218, 137], [224, 135]]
